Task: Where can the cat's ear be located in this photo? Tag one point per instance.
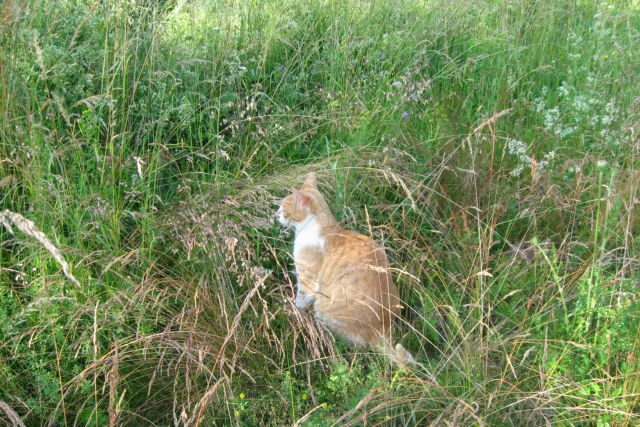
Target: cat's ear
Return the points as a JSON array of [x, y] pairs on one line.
[[311, 181], [301, 199]]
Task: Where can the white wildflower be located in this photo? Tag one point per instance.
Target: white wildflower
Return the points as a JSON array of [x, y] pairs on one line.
[[539, 105], [551, 117], [611, 108], [517, 171], [545, 162], [518, 149], [563, 90], [580, 105], [563, 131]]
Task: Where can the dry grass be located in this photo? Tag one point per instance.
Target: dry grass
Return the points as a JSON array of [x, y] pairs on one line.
[[27, 226], [12, 417]]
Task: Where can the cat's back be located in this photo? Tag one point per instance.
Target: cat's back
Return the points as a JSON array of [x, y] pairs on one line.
[[353, 247], [357, 295], [353, 256]]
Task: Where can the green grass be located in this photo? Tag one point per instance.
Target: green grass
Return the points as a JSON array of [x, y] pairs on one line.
[[492, 146]]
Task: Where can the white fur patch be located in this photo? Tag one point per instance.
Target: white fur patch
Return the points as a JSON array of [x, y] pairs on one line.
[[284, 221], [307, 236]]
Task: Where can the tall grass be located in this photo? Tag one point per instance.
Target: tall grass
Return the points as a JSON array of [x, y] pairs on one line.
[[492, 147]]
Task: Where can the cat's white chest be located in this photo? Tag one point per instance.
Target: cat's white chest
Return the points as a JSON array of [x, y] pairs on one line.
[[307, 237]]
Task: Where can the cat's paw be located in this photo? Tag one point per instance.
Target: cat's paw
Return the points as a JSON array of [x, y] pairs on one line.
[[302, 301]]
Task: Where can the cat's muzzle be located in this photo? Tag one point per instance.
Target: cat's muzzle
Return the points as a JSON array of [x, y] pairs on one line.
[[282, 220]]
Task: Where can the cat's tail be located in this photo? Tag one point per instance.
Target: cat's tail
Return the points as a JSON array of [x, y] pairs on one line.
[[400, 356]]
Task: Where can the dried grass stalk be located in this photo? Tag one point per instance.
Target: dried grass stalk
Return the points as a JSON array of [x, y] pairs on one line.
[[12, 417], [8, 218]]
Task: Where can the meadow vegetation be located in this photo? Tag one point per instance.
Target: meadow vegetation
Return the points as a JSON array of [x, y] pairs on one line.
[[491, 146]]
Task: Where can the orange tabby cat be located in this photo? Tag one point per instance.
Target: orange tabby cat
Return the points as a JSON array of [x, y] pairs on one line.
[[345, 275]]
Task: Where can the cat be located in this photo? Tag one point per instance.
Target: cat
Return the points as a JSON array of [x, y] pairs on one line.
[[345, 276]]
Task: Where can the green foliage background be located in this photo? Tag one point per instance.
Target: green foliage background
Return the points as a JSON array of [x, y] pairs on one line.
[[492, 146]]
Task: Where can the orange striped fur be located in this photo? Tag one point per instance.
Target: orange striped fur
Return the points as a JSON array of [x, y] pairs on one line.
[[343, 275]]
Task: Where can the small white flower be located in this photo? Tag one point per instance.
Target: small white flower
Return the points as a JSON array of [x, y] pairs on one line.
[[551, 117], [539, 105], [517, 171], [580, 105], [610, 108], [563, 90], [563, 131]]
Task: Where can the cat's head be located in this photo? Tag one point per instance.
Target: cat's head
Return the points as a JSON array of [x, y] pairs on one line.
[[300, 204]]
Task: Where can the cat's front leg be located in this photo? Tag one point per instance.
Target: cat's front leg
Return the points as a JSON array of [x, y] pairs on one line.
[[302, 300]]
